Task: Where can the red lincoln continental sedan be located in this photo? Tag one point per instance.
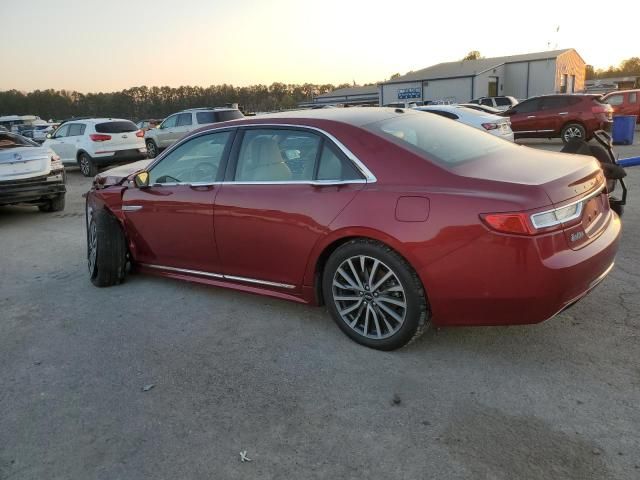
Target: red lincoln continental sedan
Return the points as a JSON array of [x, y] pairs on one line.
[[395, 219]]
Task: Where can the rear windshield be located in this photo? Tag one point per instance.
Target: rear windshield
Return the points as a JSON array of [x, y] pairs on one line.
[[438, 139], [10, 140], [502, 101], [121, 126]]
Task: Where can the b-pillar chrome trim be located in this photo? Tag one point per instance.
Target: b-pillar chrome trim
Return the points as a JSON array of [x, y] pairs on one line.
[[219, 276]]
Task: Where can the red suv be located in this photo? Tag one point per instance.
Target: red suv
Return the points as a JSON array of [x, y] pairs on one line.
[[565, 116], [626, 102]]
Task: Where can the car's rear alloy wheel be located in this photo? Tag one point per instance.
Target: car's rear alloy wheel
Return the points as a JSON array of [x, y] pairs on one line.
[[87, 166], [374, 295], [573, 131], [106, 250], [152, 149]]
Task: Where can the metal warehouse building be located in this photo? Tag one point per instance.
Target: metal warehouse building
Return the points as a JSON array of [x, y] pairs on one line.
[[520, 76]]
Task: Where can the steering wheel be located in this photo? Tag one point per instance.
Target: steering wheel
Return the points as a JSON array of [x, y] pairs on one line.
[[204, 171]]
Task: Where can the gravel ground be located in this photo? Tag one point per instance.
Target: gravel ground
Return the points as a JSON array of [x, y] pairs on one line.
[[233, 372]]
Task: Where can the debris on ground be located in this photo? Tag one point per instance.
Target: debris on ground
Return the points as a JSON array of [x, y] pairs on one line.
[[243, 456], [146, 388]]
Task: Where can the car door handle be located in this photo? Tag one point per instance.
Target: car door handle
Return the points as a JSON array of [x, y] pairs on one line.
[[563, 113], [201, 187], [131, 208], [531, 116]]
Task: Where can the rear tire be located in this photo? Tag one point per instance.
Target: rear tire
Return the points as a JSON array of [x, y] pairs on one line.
[[152, 149], [106, 250], [573, 131], [87, 165], [54, 205], [382, 303]]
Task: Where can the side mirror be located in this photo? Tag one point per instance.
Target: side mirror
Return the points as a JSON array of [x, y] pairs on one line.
[[141, 180], [49, 135]]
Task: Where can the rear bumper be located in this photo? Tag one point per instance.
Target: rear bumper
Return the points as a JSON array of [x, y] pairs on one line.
[[505, 280], [32, 190], [121, 156]]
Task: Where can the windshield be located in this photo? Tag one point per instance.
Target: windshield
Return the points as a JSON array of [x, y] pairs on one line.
[[438, 139], [11, 140]]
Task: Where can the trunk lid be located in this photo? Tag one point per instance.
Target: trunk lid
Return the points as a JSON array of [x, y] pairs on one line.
[[562, 176], [24, 162], [566, 179]]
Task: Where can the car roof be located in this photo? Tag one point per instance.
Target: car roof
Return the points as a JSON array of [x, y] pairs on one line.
[[96, 120], [352, 116]]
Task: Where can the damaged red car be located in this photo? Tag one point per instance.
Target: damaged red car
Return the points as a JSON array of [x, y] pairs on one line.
[[393, 219]]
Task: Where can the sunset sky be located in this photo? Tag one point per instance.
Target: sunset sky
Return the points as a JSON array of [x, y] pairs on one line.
[[89, 45]]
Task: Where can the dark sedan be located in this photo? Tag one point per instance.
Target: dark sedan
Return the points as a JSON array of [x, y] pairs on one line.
[[394, 219]]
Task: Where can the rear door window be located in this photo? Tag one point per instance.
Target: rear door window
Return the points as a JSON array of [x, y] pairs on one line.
[[554, 103], [528, 106], [615, 100], [333, 166], [184, 120], [487, 101], [205, 117], [119, 126], [278, 155], [503, 102]]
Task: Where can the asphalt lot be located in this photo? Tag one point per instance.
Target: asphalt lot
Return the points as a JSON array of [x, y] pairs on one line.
[[234, 372]]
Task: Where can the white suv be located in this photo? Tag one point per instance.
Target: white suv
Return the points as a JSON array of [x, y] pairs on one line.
[[97, 142], [179, 124], [502, 103]]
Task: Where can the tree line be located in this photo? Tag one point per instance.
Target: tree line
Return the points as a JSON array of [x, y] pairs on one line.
[[156, 102], [628, 67]]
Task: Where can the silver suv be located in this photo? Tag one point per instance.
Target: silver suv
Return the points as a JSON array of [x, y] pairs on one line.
[[179, 124]]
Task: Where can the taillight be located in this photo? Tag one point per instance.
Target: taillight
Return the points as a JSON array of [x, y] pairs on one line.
[[490, 126], [515, 223], [139, 134], [99, 137]]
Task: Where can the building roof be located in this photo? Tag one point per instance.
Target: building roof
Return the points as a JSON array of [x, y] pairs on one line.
[[467, 68], [349, 91]]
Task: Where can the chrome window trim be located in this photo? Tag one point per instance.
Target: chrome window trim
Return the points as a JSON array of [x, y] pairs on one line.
[[219, 275], [369, 177], [581, 201]]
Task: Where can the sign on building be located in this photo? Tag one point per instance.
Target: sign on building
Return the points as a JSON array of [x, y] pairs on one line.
[[406, 93]]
